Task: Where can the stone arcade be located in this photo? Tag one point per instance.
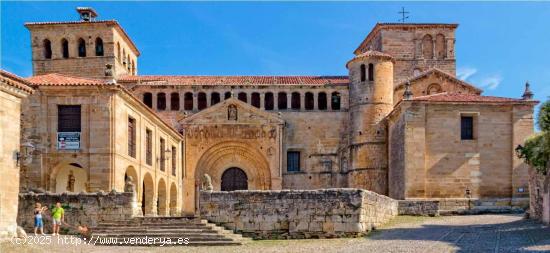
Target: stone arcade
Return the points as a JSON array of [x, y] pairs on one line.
[[400, 124]]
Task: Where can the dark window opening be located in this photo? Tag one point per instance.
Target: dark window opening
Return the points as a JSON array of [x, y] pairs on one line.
[[202, 101], [227, 95], [174, 101], [68, 118], [214, 98], [81, 48], [322, 101], [47, 49], [295, 102], [98, 47], [148, 147], [363, 73], [371, 72], [188, 101], [467, 127], [293, 161], [174, 160], [132, 137], [161, 101], [309, 103], [255, 99], [282, 101], [148, 99], [242, 97], [269, 101], [162, 154], [65, 48], [335, 100]]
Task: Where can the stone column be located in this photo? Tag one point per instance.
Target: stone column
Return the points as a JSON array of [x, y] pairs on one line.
[[316, 101], [262, 100], [434, 53], [182, 100], [168, 101], [329, 100], [303, 102], [208, 99], [275, 101], [195, 101], [155, 101]]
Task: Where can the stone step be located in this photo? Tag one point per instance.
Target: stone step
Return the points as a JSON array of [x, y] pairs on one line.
[[191, 243], [157, 231], [197, 237], [151, 226]]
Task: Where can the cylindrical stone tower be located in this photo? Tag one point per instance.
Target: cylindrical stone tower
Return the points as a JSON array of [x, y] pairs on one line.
[[371, 100]]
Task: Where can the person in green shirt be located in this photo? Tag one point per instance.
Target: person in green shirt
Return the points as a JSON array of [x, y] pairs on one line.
[[58, 216]]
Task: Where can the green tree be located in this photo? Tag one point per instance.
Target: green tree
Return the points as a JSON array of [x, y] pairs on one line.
[[536, 149]]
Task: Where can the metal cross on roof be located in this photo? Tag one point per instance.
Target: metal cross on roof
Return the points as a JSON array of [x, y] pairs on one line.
[[403, 15]]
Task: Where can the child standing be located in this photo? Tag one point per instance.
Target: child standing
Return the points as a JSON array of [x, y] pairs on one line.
[[58, 216], [38, 222]]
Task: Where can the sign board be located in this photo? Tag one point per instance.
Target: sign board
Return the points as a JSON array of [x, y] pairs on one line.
[[68, 140]]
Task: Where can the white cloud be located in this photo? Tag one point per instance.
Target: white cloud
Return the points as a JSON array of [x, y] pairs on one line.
[[463, 73], [491, 82]]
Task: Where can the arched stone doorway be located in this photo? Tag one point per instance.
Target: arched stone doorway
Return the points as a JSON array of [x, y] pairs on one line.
[[131, 172], [247, 158], [71, 178], [161, 199], [173, 200], [234, 179], [148, 203]]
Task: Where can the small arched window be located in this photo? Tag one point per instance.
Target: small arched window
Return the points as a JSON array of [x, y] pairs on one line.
[[161, 101], [148, 99], [129, 63], [363, 72], [242, 97], [295, 101], [133, 67], [81, 48], [227, 95], [174, 101], [255, 99], [269, 101], [282, 103], [371, 72], [335, 101], [433, 88], [322, 101], [47, 49], [427, 47], [124, 57], [202, 101], [440, 46], [214, 98], [98, 47], [309, 103], [65, 48], [188, 101]]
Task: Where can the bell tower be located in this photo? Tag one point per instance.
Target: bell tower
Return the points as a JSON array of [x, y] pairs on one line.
[[371, 100], [83, 48]]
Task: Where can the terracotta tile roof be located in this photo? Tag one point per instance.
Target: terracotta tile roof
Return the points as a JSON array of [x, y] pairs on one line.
[[371, 54], [441, 73], [55, 79], [81, 22], [238, 80], [380, 26], [15, 81], [468, 98]]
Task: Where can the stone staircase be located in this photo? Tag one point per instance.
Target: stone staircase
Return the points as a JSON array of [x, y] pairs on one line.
[[156, 231]]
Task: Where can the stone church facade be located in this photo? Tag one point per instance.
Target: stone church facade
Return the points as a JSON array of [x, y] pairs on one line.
[[400, 123]]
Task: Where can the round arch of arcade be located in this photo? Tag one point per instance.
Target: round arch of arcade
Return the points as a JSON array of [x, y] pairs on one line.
[[233, 154], [155, 197], [68, 176]]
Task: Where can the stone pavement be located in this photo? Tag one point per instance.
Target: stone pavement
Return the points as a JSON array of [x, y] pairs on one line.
[[476, 233]]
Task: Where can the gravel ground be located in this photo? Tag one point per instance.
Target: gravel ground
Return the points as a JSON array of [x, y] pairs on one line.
[[476, 233]]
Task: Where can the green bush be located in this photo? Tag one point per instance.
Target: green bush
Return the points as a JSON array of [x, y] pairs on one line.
[[536, 149]]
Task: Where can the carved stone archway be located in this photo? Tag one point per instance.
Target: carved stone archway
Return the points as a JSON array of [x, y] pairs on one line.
[[224, 155]]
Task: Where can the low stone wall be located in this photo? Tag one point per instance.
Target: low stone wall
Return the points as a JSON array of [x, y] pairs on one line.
[[298, 213], [419, 207], [80, 209]]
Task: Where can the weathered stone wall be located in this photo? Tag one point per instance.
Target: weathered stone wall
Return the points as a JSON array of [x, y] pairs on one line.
[[298, 214], [80, 209], [419, 207]]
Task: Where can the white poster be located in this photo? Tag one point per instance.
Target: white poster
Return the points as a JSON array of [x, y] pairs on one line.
[[68, 140]]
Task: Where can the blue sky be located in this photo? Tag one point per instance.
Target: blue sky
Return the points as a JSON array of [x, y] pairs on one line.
[[499, 45]]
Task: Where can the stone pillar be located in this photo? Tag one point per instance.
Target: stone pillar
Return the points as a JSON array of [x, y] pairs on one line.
[[182, 100], [168, 101], [275, 101], [208, 99], [195, 101], [316, 101], [434, 53], [329, 100], [262, 100], [303, 102], [155, 100], [450, 48]]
